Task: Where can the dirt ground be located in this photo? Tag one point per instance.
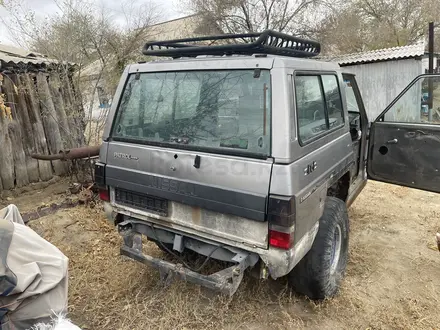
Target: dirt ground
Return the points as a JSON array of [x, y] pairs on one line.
[[392, 280]]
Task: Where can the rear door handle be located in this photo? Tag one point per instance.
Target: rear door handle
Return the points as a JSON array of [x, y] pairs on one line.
[[393, 141]]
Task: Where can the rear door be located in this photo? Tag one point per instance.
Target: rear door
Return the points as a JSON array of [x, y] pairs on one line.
[[191, 150], [404, 145]]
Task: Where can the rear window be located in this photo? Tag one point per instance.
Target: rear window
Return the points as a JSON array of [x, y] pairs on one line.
[[224, 111]]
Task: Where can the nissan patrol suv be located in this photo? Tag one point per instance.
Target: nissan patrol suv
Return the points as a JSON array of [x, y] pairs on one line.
[[250, 153]]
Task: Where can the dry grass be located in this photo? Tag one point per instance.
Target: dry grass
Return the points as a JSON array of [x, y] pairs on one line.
[[106, 289], [391, 282]]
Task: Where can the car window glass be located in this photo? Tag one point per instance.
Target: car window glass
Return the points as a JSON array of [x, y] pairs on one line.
[[131, 102], [333, 100], [310, 107], [350, 96], [419, 104], [224, 110], [188, 96]]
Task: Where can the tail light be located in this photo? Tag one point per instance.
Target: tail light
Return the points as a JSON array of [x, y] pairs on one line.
[[281, 218], [280, 240], [100, 175], [104, 195], [281, 211]]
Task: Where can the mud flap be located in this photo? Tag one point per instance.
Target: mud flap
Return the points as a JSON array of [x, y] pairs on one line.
[[225, 281]]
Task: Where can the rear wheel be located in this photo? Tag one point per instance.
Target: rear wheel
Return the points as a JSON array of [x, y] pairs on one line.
[[318, 275]]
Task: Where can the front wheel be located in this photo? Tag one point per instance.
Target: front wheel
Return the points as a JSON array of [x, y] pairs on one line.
[[318, 275]]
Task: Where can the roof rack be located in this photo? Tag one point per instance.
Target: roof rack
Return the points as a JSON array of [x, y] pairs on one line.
[[266, 42]]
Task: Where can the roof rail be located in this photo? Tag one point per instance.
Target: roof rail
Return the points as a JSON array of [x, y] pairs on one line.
[[266, 42]]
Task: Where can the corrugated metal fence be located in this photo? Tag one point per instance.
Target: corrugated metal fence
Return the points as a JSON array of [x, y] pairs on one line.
[[381, 82]]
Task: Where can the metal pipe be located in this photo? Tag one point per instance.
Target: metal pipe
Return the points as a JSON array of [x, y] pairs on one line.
[[75, 153], [430, 69]]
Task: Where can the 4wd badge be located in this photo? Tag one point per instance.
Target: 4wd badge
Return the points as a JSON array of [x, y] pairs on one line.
[[310, 168]]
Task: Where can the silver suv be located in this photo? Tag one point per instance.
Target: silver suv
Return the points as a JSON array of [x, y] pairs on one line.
[[250, 153]]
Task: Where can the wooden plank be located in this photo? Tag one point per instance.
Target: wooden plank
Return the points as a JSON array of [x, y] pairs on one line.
[[50, 122], [33, 108], [15, 134], [74, 110], [70, 112], [29, 144], [6, 160], [64, 125]]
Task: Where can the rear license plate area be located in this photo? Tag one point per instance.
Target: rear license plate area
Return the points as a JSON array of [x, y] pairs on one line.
[[142, 201]]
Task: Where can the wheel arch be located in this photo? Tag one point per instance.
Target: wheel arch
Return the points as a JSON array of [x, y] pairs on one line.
[[340, 188]]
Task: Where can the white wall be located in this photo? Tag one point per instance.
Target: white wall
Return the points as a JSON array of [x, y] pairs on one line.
[[175, 29], [98, 114], [381, 82]]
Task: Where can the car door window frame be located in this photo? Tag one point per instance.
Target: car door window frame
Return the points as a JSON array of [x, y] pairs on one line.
[[319, 74], [381, 117], [358, 98]]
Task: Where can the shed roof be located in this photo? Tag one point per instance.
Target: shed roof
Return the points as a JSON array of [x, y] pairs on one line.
[[15, 56], [386, 54]]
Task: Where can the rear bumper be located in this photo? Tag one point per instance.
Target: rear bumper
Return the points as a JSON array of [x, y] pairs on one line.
[[197, 221], [278, 262], [225, 281]]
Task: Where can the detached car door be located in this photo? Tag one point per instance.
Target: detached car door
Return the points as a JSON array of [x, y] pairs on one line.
[[404, 145]]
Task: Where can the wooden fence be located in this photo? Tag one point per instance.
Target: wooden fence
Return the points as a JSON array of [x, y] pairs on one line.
[[40, 112]]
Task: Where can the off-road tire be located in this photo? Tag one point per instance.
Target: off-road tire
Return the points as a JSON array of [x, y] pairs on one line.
[[318, 275]]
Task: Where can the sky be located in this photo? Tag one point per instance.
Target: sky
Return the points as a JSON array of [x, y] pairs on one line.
[[43, 8]]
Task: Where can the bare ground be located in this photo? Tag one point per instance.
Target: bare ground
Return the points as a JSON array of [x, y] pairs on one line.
[[392, 280]]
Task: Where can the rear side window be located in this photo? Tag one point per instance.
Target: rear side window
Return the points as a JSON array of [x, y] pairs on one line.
[[318, 105], [333, 100]]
